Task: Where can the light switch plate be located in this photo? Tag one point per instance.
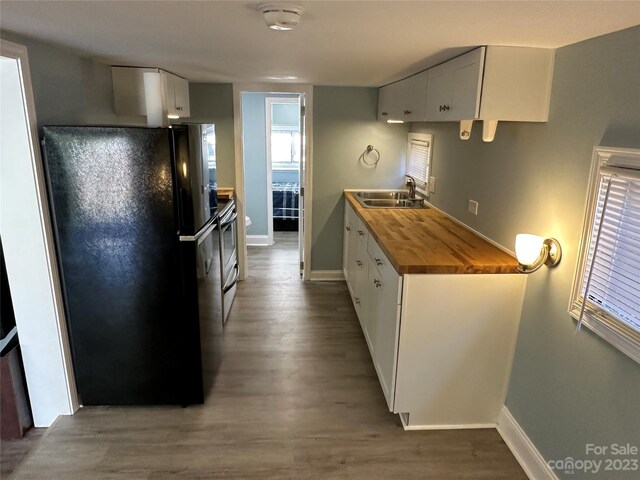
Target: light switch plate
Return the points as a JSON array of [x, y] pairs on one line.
[[473, 207], [432, 184]]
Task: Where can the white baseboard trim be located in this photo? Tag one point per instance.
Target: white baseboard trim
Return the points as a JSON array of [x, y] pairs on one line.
[[528, 456], [259, 241], [327, 275], [465, 426]]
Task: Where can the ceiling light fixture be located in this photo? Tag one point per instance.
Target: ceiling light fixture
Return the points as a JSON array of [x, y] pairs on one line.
[[282, 77], [281, 17]]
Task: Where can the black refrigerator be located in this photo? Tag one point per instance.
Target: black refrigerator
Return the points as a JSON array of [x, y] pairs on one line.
[[138, 250]]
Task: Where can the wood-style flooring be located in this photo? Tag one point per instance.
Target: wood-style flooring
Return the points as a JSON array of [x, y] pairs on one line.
[[296, 397]]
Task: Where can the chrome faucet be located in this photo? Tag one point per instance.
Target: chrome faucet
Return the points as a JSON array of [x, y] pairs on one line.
[[411, 183]]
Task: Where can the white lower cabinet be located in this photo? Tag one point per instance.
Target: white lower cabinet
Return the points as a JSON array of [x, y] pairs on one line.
[[442, 344]]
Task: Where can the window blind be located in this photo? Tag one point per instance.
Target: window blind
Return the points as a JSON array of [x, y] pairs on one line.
[[418, 160], [611, 280]]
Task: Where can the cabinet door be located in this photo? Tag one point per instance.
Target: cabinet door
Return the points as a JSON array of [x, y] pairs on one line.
[[453, 88], [439, 92], [181, 95], [389, 99], [387, 329], [360, 282], [372, 308], [348, 254], [384, 103], [177, 95], [412, 95], [466, 78]]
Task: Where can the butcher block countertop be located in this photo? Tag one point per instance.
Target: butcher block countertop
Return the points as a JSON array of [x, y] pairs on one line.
[[225, 193], [427, 241]]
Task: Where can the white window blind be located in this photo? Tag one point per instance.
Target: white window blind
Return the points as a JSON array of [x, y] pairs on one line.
[[419, 158], [610, 276]]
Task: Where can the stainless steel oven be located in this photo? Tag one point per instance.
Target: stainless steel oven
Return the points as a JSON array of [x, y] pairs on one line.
[[228, 219]]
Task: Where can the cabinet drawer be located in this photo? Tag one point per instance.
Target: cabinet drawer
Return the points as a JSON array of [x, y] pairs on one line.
[[391, 279]]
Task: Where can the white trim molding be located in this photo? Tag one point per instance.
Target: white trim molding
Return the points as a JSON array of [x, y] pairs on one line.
[[327, 276], [40, 315], [528, 456], [306, 166]]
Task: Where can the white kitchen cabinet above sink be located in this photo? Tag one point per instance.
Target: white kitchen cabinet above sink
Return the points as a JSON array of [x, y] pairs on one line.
[[491, 84]]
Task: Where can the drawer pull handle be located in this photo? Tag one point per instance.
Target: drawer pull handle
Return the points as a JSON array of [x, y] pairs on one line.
[[359, 263], [377, 283], [357, 301], [378, 262], [361, 233], [348, 229]]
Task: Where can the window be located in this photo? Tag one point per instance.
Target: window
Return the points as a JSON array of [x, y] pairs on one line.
[[419, 159], [285, 146], [608, 272], [283, 132], [210, 141]]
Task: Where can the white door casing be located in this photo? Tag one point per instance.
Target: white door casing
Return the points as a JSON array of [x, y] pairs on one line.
[[28, 242], [306, 166]]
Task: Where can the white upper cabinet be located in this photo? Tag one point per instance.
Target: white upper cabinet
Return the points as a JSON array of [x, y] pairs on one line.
[[453, 91], [129, 92], [177, 95], [517, 84], [404, 100], [489, 83]]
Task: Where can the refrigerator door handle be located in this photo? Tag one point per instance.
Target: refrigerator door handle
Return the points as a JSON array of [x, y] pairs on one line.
[[229, 284], [206, 229]]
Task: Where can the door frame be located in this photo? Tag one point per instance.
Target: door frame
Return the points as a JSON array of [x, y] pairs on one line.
[[306, 182], [38, 371], [268, 102]]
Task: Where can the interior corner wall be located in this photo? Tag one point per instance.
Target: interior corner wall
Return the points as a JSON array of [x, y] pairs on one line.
[[213, 103], [566, 390], [344, 123], [68, 89]]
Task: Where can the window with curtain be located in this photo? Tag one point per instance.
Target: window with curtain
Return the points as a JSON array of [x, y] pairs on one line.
[[419, 158], [606, 293]]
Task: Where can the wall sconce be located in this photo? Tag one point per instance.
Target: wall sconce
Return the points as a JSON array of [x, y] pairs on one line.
[[533, 252]]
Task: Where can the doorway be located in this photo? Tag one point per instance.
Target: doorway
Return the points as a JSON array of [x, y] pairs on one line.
[[27, 238], [273, 170]]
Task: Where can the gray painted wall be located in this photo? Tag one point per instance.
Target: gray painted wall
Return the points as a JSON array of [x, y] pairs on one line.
[[566, 390], [344, 123], [213, 103], [68, 89], [255, 155]]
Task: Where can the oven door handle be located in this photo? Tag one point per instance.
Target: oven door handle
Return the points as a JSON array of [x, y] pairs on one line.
[[229, 285], [226, 222]]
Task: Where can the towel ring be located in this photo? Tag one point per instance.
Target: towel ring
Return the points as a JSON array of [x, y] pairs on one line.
[[368, 150]]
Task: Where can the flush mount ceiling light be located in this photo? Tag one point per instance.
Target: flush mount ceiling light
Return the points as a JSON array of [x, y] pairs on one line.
[[281, 17], [533, 252]]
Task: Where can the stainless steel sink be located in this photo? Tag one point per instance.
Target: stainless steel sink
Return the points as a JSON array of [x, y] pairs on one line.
[[390, 199], [390, 203], [397, 195]]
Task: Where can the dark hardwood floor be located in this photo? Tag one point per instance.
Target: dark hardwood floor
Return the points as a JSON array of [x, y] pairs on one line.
[[296, 398]]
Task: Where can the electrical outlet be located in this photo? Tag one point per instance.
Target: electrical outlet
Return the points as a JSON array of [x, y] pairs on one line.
[[432, 184], [473, 207]]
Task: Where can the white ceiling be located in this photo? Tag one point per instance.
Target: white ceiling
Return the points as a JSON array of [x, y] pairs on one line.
[[358, 43]]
